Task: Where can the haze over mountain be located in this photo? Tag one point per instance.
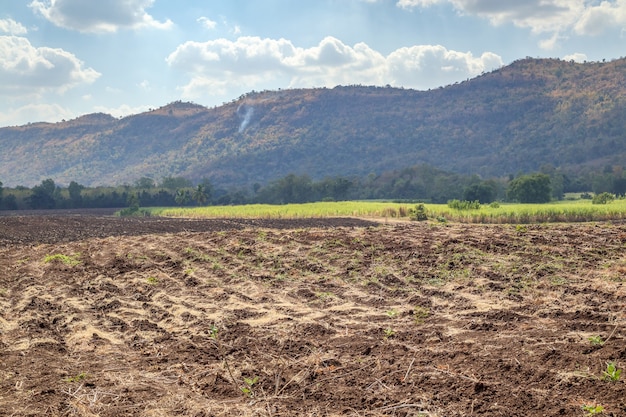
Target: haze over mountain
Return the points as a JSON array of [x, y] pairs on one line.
[[515, 119]]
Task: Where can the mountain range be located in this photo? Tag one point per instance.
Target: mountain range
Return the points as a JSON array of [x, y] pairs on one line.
[[515, 119]]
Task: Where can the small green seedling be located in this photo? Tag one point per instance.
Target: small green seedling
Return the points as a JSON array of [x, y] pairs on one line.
[[214, 332], [592, 410], [612, 373], [596, 340], [76, 378], [247, 389], [393, 313], [420, 314], [152, 280], [389, 333]]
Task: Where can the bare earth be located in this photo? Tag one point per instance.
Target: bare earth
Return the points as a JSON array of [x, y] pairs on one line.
[[165, 317]]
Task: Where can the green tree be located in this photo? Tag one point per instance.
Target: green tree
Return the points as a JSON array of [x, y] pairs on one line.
[[133, 201], [557, 180], [295, 189], [183, 197], [42, 196], [334, 188], [602, 183], [9, 202], [619, 186], [485, 192], [200, 195], [290, 189], [533, 188], [75, 190], [49, 186], [208, 188]]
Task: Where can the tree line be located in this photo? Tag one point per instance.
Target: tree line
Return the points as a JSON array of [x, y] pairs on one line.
[[422, 183]]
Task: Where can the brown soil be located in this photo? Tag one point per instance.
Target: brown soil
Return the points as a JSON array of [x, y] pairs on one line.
[[164, 317]]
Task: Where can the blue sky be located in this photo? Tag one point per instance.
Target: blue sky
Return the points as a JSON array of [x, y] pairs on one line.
[[60, 59]]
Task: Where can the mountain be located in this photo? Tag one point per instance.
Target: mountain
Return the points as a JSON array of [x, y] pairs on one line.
[[515, 119]]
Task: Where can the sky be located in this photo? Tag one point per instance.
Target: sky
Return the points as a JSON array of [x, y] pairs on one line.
[[60, 59]]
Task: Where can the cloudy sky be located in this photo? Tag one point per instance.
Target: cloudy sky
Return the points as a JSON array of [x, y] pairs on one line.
[[60, 59]]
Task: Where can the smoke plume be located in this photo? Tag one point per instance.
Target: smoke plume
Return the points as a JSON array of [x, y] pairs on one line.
[[245, 113]]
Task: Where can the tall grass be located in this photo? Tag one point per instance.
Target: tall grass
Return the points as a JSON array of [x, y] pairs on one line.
[[565, 211], [307, 210]]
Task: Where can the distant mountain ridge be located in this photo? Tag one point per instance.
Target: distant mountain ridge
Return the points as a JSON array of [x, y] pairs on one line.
[[515, 119]]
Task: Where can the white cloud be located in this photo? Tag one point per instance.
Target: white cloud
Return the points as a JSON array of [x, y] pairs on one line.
[[246, 55], [12, 27], [34, 113], [576, 57], [145, 85], [123, 110], [588, 17], [551, 42], [25, 69], [409, 4], [207, 23], [538, 15], [99, 16], [251, 62], [597, 19], [433, 65]]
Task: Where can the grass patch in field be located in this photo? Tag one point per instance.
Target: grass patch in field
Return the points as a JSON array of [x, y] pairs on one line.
[[64, 259]]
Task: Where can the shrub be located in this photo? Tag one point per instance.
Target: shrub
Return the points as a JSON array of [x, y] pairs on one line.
[[603, 198], [418, 213]]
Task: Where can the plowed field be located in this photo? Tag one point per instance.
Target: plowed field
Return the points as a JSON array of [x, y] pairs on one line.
[[103, 316]]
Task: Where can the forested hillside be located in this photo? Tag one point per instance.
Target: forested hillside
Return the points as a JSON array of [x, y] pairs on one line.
[[516, 119]]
